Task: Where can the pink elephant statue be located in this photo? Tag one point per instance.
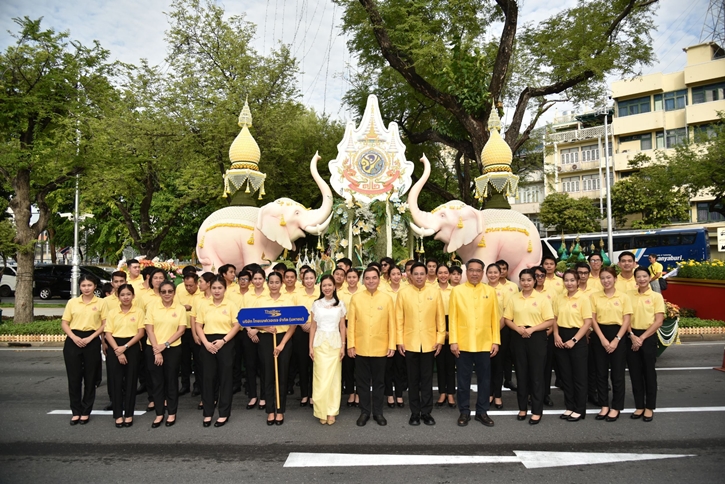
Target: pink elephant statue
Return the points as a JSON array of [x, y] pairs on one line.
[[488, 235], [244, 235]]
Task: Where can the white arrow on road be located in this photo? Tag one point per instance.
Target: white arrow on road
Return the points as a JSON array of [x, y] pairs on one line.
[[530, 459]]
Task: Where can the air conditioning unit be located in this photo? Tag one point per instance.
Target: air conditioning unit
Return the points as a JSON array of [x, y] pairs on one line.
[[558, 168], [573, 167]]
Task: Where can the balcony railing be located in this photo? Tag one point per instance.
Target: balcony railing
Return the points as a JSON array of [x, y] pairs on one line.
[[576, 135], [580, 166]]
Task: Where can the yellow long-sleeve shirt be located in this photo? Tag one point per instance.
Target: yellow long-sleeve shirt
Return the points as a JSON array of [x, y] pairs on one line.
[[371, 323], [420, 318], [474, 317]]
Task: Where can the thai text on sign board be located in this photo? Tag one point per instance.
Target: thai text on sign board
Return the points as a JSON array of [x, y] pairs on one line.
[[281, 316]]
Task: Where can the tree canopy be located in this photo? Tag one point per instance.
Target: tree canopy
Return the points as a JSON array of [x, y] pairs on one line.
[[568, 215]]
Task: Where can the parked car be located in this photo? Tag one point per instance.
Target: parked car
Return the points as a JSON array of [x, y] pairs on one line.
[[55, 280], [7, 281]]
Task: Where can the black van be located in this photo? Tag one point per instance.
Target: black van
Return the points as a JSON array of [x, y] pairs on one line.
[[53, 280]]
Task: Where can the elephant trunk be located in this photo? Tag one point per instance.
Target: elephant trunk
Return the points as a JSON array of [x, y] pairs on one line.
[[318, 216], [421, 218]]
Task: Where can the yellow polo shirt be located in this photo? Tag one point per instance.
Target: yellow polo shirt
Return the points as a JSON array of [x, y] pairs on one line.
[[529, 311], [233, 286], [428, 282], [184, 298], [345, 295], [124, 325], [611, 310], [571, 311], [644, 308], [420, 318], [266, 301], [474, 317], [145, 296], [181, 289], [306, 300], [110, 302], [217, 319], [594, 283], [166, 321], [550, 295], [136, 283], [588, 291], [83, 316], [446, 295], [554, 285], [654, 269], [503, 296], [625, 285], [391, 292], [199, 298], [371, 323]]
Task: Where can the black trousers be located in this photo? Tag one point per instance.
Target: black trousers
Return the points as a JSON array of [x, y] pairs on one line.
[[165, 379], [348, 375], [266, 347], [642, 372], [217, 378], [550, 364], [530, 360], [420, 381], [198, 366], [370, 370], [498, 363], [466, 361], [396, 376], [254, 366], [187, 341], [303, 363], [83, 365], [508, 356], [446, 366], [616, 361], [122, 379], [592, 369], [144, 376], [238, 360], [572, 366]]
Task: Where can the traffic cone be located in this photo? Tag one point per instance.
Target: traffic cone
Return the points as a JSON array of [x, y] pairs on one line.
[[722, 368]]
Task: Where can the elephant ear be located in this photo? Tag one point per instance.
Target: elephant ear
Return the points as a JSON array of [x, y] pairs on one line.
[[470, 218], [268, 222]]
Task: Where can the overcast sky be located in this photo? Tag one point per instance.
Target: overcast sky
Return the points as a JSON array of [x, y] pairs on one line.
[[134, 29]]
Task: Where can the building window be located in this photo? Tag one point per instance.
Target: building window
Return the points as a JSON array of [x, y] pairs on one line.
[[704, 132], [645, 140], [660, 139], [590, 153], [675, 100], [705, 215], [590, 183], [529, 194], [658, 102], [570, 185], [676, 137], [709, 93], [570, 155], [634, 106]]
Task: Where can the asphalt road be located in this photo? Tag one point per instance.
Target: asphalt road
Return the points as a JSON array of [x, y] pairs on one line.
[[39, 447]]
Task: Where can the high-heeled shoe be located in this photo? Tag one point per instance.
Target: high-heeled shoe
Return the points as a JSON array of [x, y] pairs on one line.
[[330, 420], [270, 422], [119, 425], [150, 408], [261, 405], [498, 405], [452, 404], [280, 421], [438, 404], [400, 404], [303, 404], [392, 404], [75, 422], [323, 421], [565, 416], [648, 419], [83, 421], [128, 423], [156, 425], [534, 422], [521, 418], [601, 416], [612, 419], [170, 423], [200, 406], [206, 423], [572, 418], [636, 416], [252, 405], [219, 423], [351, 404]]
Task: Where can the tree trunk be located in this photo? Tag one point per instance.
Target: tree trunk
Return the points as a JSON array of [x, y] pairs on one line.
[[25, 236], [51, 244], [24, 287]]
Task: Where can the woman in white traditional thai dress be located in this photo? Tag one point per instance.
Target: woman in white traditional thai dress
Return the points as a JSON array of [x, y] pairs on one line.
[[327, 348]]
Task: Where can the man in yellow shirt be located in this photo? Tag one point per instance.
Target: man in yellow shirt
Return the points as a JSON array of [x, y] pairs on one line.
[[432, 267], [187, 298], [421, 331], [595, 264], [474, 335], [625, 280], [553, 283], [655, 273], [370, 340], [134, 274]]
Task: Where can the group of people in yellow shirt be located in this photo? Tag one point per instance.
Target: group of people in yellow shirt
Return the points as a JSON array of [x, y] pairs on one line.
[[366, 339]]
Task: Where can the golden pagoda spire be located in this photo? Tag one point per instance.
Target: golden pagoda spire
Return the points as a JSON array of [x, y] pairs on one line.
[[245, 155], [496, 158]]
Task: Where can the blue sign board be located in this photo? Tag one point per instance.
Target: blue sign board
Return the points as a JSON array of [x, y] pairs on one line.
[[279, 316]]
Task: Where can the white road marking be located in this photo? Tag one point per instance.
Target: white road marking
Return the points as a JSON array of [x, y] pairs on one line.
[[94, 412], [530, 459], [591, 411]]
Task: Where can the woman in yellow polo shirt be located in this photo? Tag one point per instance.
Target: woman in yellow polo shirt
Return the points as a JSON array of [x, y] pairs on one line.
[[124, 328], [573, 313], [81, 321], [165, 322], [648, 314], [503, 294], [529, 315], [445, 361], [396, 373], [216, 325], [203, 295], [301, 339], [253, 361], [273, 343], [611, 312], [551, 292]]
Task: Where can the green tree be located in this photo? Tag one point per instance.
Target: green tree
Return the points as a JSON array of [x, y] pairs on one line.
[[569, 215], [438, 72], [50, 87]]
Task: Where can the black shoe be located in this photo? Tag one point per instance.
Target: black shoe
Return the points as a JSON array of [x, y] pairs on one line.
[[170, 423], [548, 402], [207, 423], [195, 391], [251, 405], [291, 391], [400, 404], [108, 407], [576, 419], [362, 419], [534, 422], [75, 422], [428, 419], [414, 420], [83, 422], [200, 406], [636, 416], [351, 404], [221, 424], [463, 419], [648, 419], [128, 424], [380, 420], [149, 408], [564, 416], [612, 419], [279, 422], [270, 422], [452, 405], [141, 389], [600, 416], [262, 407], [484, 419], [521, 418], [304, 404], [119, 425], [156, 425], [438, 404], [498, 405], [510, 386], [392, 404], [184, 390]]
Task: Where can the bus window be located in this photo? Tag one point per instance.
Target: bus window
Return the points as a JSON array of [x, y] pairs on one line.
[[647, 241], [622, 243], [671, 240], [688, 239]]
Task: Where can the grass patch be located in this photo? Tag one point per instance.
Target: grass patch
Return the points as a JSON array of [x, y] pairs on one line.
[[37, 305], [51, 326], [700, 323]]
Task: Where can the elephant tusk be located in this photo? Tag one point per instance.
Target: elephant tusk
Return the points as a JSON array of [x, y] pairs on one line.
[[420, 231], [320, 228]]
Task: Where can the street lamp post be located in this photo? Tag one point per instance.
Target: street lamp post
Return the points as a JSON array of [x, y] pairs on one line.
[[610, 242], [76, 270]]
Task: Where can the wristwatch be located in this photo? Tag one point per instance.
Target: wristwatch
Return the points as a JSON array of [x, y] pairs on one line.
[[167, 344], [126, 346], [574, 339], [618, 338]]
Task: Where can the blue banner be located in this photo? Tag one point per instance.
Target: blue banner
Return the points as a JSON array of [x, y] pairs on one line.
[[280, 316]]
